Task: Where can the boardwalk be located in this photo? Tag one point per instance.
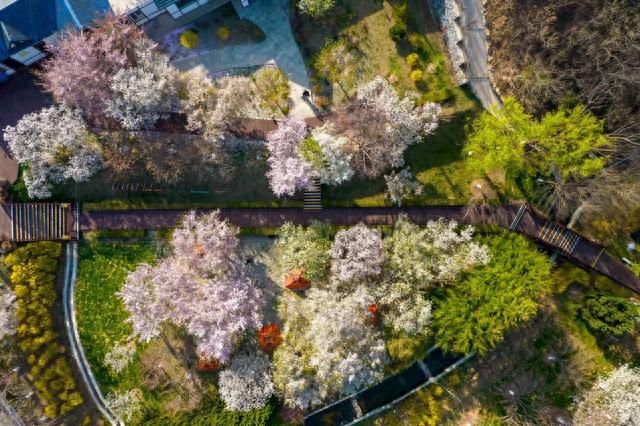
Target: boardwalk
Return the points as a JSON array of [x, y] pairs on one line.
[[517, 218]]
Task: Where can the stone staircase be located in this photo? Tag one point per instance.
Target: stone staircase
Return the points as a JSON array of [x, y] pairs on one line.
[[313, 195]]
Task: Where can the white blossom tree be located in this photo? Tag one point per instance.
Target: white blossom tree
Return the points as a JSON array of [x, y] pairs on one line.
[[378, 145], [119, 356], [434, 254], [146, 92], [614, 400], [55, 145], [336, 167], [203, 287], [8, 320], [125, 405], [288, 172], [404, 308], [401, 185], [246, 384], [356, 254], [329, 347]]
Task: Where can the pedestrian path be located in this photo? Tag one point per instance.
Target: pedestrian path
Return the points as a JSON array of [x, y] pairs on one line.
[[515, 217]]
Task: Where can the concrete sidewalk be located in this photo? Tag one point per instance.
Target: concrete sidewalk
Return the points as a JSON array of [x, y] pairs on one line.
[[279, 47]]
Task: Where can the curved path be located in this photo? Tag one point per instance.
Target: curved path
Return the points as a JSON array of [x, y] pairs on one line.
[[515, 217], [74, 339]]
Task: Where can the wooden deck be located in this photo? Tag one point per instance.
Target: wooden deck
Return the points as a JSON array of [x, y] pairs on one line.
[[23, 222]]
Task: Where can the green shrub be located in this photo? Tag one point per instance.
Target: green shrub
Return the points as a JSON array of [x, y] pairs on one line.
[[189, 39], [398, 31], [223, 33], [311, 151], [416, 75], [412, 60], [609, 314]]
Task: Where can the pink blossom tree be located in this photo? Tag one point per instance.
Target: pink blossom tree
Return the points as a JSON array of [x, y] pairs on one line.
[[203, 287], [288, 171], [83, 64]]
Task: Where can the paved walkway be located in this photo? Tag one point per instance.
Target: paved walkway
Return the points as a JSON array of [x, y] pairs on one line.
[[581, 251], [279, 47], [18, 96], [476, 50]]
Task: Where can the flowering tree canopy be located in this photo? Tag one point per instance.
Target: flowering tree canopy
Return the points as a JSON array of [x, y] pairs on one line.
[[55, 145], [334, 166], [215, 299], [246, 384], [356, 254], [401, 185], [377, 145], [95, 56], [144, 93], [329, 348], [614, 400], [434, 254], [288, 172], [119, 357]]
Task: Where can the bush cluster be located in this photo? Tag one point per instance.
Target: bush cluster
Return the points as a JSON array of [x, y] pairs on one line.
[[33, 268], [398, 30], [609, 314]]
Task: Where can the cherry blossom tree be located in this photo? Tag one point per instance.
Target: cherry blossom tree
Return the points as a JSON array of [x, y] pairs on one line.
[[246, 384], [288, 172], [215, 299], [334, 166], [82, 64], [146, 92], [8, 320], [614, 400], [205, 244], [434, 254], [126, 404], [329, 347], [378, 145], [55, 145], [356, 254], [401, 185]]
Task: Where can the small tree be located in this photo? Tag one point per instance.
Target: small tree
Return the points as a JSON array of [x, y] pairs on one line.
[[315, 8], [339, 64], [609, 314], [246, 384], [401, 185], [55, 145], [272, 88], [356, 254], [333, 167], [288, 171], [8, 320]]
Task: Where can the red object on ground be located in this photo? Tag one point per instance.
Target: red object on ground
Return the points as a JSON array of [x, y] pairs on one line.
[[199, 249], [295, 280], [269, 337], [373, 312], [207, 365]]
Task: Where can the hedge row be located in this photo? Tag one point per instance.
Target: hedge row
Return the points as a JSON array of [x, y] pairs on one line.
[[32, 271]]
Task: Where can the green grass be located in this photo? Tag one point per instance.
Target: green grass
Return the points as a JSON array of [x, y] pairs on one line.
[[101, 315]]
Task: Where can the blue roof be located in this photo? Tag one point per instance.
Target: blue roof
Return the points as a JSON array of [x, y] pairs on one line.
[[26, 22]]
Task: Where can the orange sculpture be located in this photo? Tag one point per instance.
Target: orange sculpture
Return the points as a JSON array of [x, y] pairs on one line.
[[373, 312], [206, 364], [269, 337], [199, 249], [295, 280]]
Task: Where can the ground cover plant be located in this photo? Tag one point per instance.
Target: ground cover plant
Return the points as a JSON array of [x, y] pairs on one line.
[[32, 272]]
